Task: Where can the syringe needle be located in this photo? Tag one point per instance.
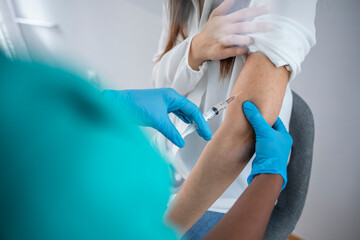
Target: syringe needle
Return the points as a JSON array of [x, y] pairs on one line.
[[238, 94], [210, 114], [229, 100]]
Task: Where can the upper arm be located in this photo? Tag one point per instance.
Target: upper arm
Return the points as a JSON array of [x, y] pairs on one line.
[[264, 78], [262, 83]]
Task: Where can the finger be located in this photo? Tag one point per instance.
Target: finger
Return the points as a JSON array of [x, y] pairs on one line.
[[170, 132], [279, 126], [247, 13], [255, 118], [250, 27], [192, 113], [234, 51], [183, 117], [223, 8], [236, 40], [203, 127]]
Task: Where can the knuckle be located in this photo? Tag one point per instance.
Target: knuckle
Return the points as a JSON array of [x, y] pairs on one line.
[[239, 28], [259, 26], [195, 109], [171, 92], [233, 38], [248, 40], [223, 41], [227, 28], [227, 18]]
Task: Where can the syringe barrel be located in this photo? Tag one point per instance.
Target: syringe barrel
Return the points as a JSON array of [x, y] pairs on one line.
[[190, 129], [208, 116], [215, 110], [220, 106]]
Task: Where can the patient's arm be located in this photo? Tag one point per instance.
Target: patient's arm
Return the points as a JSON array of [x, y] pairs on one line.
[[232, 146], [250, 215]]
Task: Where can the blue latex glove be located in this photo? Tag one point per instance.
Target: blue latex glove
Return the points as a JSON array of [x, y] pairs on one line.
[[150, 108], [273, 145]]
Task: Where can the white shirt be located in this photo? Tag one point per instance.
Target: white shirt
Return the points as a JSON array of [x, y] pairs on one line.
[[287, 45]]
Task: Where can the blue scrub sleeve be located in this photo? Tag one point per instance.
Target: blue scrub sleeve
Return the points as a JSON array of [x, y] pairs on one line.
[[71, 167]]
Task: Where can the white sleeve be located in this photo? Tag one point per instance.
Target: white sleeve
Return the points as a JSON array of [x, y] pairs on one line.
[[173, 70], [293, 34]]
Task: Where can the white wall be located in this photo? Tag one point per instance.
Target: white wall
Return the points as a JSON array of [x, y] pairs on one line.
[[330, 83], [118, 39]]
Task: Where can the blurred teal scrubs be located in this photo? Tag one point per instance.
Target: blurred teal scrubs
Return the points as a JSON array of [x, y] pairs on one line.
[[71, 167]]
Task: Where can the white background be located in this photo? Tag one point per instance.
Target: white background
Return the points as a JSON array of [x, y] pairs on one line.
[[118, 38]]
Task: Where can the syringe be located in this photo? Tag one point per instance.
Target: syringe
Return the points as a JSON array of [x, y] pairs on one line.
[[215, 110]]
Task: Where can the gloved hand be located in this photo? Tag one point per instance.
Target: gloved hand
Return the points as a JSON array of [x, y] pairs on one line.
[[273, 145], [151, 107]]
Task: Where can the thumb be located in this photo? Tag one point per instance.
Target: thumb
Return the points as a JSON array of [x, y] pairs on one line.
[[223, 8], [168, 129], [255, 118], [279, 126]]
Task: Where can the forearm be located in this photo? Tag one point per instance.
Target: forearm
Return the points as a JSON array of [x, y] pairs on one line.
[[232, 146], [213, 173], [251, 212], [196, 57]]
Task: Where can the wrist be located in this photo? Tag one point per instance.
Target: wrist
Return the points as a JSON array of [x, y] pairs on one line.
[[274, 180], [196, 53], [269, 173]]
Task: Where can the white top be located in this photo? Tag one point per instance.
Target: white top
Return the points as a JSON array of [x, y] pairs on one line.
[[288, 44]]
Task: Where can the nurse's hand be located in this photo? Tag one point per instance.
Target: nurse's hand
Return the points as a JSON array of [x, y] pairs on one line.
[[224, 35], [273, 145], [150, 108]]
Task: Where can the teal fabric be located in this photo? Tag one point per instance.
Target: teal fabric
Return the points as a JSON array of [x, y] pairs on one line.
[[70, 166]]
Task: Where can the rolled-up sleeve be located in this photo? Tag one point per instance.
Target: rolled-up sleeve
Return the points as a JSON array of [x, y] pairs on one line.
[[293, 35]]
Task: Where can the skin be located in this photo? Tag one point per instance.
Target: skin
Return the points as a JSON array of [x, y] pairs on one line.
[[223, 35], [233, 144], [251, 212]]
